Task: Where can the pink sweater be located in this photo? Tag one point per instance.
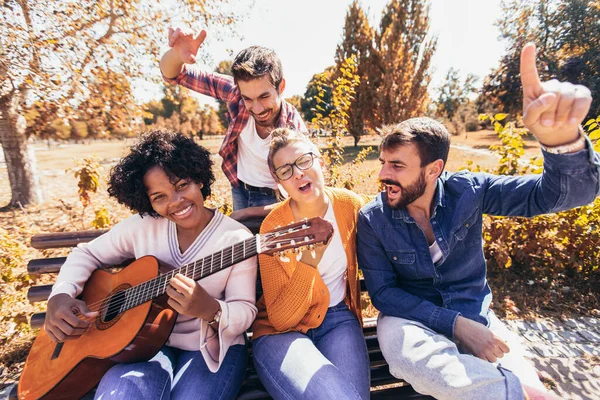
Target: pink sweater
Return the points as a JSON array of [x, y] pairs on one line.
[[135, 237]]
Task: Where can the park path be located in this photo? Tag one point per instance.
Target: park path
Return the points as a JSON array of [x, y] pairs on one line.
[[565, 353]]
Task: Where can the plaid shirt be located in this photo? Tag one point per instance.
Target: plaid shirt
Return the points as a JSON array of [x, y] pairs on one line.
[[222, 87]]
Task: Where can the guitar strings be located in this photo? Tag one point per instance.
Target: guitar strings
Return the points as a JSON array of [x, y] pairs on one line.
[[152, 287], [116, 305]]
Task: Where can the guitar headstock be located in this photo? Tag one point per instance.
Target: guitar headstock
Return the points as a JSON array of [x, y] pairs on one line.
[[297, 236]]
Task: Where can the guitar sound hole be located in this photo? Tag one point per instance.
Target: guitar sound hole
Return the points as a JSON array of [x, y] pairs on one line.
[[114, 306]]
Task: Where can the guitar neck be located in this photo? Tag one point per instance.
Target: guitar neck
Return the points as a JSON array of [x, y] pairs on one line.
[[199, 269]]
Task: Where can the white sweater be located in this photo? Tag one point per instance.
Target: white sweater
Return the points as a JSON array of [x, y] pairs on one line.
[[135, 237]]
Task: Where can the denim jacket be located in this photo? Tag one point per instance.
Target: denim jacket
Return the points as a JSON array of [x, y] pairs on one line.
[[393, 251]]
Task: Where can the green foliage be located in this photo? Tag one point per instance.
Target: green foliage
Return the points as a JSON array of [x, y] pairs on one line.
[[453, 102], [336, 121], [547, 248], [566, 35], [224, 68], [318, 93]]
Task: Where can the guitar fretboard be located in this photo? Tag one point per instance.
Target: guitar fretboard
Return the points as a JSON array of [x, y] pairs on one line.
[[199, 269]]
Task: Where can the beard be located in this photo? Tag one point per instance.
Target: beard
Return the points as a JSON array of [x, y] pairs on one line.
[[409, 193], [274, 115]]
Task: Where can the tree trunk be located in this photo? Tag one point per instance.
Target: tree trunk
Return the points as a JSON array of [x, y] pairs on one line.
[[19, 157]]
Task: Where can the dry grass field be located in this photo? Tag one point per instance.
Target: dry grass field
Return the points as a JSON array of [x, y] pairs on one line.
[[58, 183]]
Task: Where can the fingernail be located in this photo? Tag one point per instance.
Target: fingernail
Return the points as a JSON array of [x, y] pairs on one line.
[[573, 121], [558, 124], [547, 122]]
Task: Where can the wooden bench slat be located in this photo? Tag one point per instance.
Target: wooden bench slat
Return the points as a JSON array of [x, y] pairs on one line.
[[37, 320], [45, 265], [63, 239], [38, 293]]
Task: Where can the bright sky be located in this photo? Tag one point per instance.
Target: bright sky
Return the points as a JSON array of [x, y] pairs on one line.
[[305, 33]]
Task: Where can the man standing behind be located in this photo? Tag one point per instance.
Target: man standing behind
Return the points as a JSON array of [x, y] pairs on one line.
[[420, 243], [255, 106]]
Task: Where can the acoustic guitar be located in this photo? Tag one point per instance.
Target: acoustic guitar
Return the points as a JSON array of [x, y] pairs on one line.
[[134, 320]]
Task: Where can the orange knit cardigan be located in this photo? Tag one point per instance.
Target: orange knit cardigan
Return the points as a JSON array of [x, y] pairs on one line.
[[295, 298]]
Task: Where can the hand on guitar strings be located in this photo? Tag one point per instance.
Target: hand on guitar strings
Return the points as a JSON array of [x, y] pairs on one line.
[[187, 297], [67, 318]]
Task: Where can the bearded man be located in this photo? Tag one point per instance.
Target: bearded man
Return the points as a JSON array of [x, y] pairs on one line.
[[420, 244]]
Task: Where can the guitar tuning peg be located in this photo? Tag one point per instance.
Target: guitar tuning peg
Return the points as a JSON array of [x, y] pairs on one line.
[[298, 256], [284, 258]]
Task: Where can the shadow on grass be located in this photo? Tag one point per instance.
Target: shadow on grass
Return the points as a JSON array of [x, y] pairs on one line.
[[350, 153]]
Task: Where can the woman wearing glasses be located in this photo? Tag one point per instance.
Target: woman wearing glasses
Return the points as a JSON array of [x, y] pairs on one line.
[[307, 337]]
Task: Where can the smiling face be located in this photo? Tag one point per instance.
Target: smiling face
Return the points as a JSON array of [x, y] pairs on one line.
[[404, 178], [262, 99], [304, 185], [180, 201]]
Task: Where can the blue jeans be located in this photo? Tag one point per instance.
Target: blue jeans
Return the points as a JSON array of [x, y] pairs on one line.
[[178, 374], [328, 362], [243, 198]]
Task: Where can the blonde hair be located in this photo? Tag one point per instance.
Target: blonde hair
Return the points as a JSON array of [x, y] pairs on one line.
[[283, 137]]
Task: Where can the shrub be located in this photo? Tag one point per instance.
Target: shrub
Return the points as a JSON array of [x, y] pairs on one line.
[[549, 249]]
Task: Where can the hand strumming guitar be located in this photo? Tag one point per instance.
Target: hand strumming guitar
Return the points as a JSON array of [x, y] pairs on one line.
[[62, 322]]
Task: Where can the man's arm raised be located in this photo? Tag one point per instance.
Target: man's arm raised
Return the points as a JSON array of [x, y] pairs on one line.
[[552, 110], [184, 49]]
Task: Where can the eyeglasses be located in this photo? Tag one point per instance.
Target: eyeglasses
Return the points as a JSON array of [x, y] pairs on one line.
[[305, 161]]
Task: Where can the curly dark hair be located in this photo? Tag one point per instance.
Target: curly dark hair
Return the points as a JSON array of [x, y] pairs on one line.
[[179, 156]]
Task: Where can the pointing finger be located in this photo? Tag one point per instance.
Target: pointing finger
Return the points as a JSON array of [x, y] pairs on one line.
[[532, 86]]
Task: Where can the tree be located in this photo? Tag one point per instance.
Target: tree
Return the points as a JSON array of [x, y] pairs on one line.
[[308, 105], [48, 50], [566, 35], [404, 54], [358, 41], [454, 96], [224, 68], [296, 101], [522, 21], [109, 109]]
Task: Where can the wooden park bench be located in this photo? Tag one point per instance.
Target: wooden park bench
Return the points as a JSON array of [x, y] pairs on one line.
[[383, 384]]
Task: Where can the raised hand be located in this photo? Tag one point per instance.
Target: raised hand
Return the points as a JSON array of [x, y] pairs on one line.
[[187, 297], [552, 110], [185, 44]]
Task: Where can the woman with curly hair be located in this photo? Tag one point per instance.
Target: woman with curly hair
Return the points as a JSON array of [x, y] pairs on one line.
[[307, 338], [165, 179]]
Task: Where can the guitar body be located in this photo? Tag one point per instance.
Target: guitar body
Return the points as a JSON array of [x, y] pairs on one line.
[[70, 369]]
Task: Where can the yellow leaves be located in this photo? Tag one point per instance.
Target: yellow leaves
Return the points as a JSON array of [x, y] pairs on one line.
[[89, 179], [595, 135], [498, 127], [500, 117], [102, 218]]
